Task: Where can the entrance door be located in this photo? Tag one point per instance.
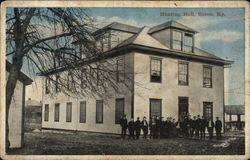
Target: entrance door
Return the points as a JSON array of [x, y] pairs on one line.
[[155, 107], [183, 107], [208, 110]]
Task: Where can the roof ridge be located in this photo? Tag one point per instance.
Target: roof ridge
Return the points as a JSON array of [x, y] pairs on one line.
[[183, 25], [169, 24]]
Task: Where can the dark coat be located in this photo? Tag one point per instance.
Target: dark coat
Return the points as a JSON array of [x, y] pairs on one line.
[[198, 123], [203, 123], [208, 124], [137, 125], [193, 124], [146, 126], [131, 125], [123, 122], [158, 124], [218, 125]]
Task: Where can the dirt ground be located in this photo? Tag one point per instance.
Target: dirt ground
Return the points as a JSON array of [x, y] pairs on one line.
[[69, 143]]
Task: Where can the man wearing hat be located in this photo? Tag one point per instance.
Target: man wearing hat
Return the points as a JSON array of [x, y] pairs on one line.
[[123, 124], [218, 127], [138, 127], [144, 126]]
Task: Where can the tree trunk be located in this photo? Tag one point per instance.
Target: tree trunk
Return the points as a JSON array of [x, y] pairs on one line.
[[10, 88]]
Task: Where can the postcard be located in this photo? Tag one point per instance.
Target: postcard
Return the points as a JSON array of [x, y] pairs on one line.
[[124, 80]]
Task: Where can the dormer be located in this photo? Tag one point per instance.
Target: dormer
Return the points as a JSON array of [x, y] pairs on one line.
[[113, 34], [175, 36]]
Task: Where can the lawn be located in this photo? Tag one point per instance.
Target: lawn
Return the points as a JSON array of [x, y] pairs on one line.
[[68, 143]]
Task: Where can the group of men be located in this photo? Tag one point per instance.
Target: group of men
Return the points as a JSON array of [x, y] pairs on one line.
[[159, 128], [134, 127], [197, 127]]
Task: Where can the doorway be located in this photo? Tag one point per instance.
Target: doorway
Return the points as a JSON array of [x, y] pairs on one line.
[[183, 107]]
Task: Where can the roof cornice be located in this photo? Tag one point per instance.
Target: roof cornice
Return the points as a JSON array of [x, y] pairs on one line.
[[142, 49]]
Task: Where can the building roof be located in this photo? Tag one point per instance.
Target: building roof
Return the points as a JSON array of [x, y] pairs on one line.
[[235, 109], [171, 24], [143, 41], [119, 27], [31, 102], [143, 38], [21, 76]]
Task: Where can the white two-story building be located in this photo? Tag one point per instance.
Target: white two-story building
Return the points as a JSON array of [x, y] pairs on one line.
[[170, 76]]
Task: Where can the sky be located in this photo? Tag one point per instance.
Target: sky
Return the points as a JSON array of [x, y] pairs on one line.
[[221, 35]]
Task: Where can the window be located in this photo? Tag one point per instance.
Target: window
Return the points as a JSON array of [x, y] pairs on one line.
[[69, 112], [57, 83], [182, 41], [155, 70], [99, 111], [188, 43], [183, 73], [120, 66], [106, 40], [47, 86], [155, 107], [84, 76], [100, 75], [46, 112], [207, 76], [57, 112], [119, 109], [82, 112], [177, 40], [208, 110]]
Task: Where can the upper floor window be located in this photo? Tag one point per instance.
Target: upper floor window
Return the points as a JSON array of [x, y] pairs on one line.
[[188, 43], [155, 70], [120, 64], [207, 76], [183, 73], [177, 40], [182, 41], [47, 86], [100, 74], [57, 85], [103, 41]]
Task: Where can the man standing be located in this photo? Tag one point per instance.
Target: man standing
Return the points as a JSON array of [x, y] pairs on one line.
[[158, 127], [167, 127], [131, 128], [218, 127], [137, 127], [193, 126], [144, 125], [189, 123], [185, 126], [123, 123], [210, 128], [152, 127], [198, 125], [203, 127]]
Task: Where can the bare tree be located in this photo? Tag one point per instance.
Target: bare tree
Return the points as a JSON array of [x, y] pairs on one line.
[[58, 43]]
